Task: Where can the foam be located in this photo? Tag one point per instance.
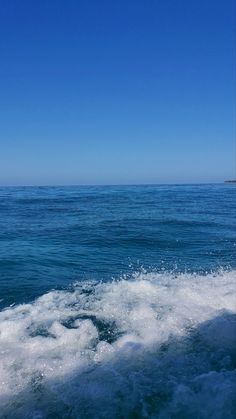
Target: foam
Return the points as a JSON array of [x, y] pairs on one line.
[[157, 345]]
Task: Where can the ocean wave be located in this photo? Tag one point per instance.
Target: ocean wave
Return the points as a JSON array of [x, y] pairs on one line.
[[156, 346]]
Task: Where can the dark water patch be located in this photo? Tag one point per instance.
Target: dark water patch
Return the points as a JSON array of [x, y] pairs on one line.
[[107, 331]]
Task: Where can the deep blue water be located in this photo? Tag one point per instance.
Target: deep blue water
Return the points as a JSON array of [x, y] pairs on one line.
[[53, 236], [118, 302]]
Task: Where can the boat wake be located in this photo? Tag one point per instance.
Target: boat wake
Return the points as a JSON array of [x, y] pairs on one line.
[[154, 346]]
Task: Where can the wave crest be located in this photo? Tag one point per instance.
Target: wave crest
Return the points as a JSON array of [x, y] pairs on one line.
[[158, 345]]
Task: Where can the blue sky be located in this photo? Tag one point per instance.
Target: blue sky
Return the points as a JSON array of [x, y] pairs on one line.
[[113, 92]]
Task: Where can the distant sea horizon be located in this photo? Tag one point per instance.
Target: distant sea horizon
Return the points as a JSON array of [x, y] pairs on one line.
[[41, 185]]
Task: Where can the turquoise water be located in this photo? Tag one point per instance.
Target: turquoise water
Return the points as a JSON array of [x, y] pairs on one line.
[[52, 236], [118, 301]]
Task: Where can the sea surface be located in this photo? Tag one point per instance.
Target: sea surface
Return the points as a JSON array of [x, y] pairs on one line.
[[118, 302]]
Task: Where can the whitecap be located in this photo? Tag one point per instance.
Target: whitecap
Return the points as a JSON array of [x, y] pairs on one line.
[[156, 345]]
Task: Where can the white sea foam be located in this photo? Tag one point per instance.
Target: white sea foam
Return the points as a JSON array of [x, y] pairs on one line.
[[157, 346]]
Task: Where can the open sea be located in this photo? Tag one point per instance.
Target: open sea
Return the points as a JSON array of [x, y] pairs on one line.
[[118, 302]]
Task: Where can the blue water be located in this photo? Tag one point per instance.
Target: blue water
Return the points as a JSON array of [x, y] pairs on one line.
[[53, 236], [118, 301]]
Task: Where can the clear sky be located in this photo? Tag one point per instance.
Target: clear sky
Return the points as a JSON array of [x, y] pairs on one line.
[[117, 91]]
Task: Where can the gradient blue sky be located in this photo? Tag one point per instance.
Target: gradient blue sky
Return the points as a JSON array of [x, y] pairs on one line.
[[107, 92]]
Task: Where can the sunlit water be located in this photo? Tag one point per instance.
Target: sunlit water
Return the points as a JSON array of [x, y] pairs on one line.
[[118, 302]]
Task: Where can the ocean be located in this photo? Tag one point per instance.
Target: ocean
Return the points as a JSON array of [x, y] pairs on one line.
[[118, 302]]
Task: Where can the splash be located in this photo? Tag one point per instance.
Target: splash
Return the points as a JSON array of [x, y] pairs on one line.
[[156, 345]]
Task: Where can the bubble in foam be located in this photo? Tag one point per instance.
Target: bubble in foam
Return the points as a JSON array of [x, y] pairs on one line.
[[157, 345]]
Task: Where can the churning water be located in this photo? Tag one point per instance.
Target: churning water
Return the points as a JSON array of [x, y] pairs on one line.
[[118, 302]]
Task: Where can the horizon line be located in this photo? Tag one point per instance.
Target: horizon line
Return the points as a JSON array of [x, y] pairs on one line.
[[110, 184]]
